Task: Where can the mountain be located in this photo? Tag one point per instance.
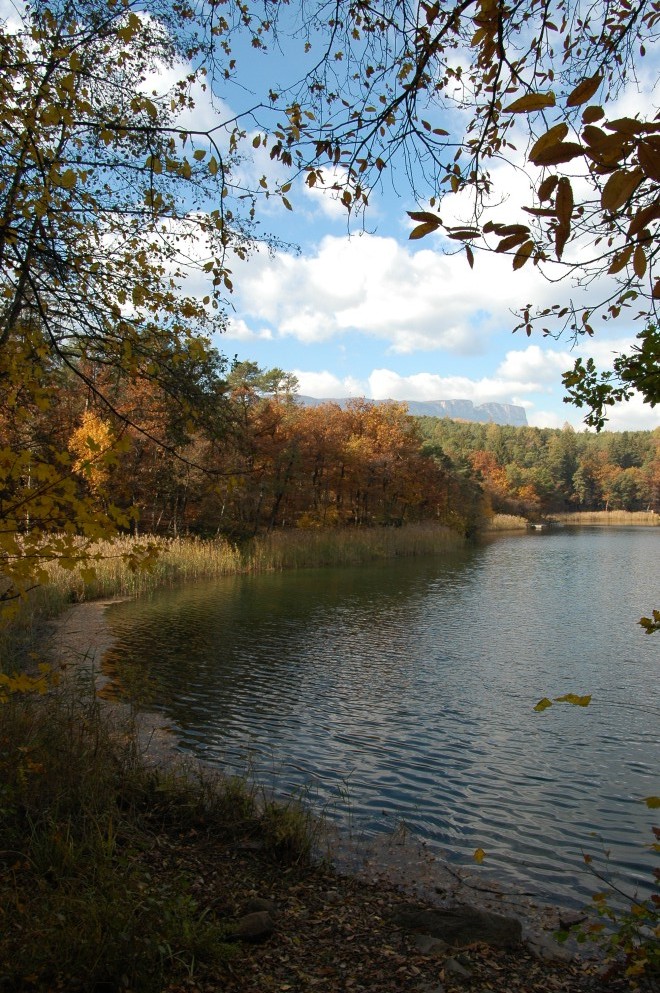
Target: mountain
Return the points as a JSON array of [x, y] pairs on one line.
[[458, 410]]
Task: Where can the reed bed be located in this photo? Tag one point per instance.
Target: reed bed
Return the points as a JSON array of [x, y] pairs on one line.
[[611, 518], [188, 558], [506, 522]]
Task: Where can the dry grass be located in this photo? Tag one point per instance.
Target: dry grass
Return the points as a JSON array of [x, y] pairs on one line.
[[611, 517], [506, 522], [184, 559]]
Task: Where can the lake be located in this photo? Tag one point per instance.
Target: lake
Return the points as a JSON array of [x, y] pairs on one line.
[[403, 693]]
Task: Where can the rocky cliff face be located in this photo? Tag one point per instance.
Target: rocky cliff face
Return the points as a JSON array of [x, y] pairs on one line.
[[459, 410]]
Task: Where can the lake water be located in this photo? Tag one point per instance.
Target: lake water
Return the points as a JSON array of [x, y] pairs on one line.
[[403, 692]]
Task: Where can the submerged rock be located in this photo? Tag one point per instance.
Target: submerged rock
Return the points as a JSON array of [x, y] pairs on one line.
[[461, 926]]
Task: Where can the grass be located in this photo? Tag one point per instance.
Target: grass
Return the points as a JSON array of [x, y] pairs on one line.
[[506, 522], [611, 517], [86, 901]]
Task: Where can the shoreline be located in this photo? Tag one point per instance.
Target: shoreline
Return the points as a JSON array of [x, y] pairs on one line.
[[80, 641]]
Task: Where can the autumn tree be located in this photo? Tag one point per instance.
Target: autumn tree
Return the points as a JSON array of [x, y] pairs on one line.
[[109, 205]]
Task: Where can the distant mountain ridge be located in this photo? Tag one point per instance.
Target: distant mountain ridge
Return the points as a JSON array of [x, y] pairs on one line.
[[458, 410]]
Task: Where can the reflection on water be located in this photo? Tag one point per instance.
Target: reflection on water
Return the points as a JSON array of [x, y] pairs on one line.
[[404, 692]]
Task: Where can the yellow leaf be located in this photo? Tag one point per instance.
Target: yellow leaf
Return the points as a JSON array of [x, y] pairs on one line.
[[531, 102], [639, 262], [652, 802], [619, 188], [574, 699], [543, 705], [523, 254], [551, 137], [479, 855], [67, 180], [584, 91]]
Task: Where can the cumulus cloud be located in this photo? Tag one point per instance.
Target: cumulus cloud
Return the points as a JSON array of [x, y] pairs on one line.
[[535, 364], [326, 385], [238, 330], [413, 300]]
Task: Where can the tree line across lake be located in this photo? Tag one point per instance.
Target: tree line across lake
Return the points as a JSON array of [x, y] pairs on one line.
[[242, 456]]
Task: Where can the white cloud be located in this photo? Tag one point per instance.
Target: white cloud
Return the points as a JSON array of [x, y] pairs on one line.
[[237, 330], [535, 363], [326, 385], [414, 300]]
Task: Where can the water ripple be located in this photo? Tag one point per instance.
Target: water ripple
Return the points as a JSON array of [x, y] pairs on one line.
[[404, 692]]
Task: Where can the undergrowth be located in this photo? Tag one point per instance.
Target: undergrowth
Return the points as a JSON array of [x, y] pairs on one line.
[[81, 906]]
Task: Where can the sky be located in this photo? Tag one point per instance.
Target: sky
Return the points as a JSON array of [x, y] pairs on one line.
[[355, 308]]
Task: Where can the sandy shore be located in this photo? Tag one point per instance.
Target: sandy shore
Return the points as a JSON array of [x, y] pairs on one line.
[[80, 641]]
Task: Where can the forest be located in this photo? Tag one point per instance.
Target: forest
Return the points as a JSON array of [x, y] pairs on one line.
[[242, 456]]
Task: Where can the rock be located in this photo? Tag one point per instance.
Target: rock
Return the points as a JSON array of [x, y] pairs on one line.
[[256, 926], [333, 897], [454, 968], [428, 945], [460, 926], [543, 947], [257, 903]]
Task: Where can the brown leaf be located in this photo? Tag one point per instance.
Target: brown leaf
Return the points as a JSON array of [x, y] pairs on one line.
[[515, 239], [639, 262], [470, 256], [551, 137], [561, 237], [424, 216], [656, 290], [584, 91], [591, 114], [523, 254], [564, 201], [531, 102], [422, 230], [619, 188], [564, 151], [620, 260], [649, 160], [547, 187], [644, 217]]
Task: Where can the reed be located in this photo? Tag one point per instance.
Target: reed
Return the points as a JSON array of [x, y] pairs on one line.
[[611, 518], [506, 522], [188, 558]]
